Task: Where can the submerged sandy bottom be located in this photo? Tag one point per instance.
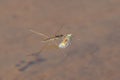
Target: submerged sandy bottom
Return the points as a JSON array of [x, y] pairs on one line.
[[93, 55]]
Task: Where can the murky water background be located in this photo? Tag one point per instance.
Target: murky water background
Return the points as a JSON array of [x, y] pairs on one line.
[[95, 56]]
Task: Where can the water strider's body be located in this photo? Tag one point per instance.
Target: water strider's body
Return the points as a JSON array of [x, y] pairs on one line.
[[65, 42], [53, 38]]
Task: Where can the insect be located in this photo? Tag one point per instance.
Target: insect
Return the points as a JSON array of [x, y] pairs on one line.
[[66, 41]]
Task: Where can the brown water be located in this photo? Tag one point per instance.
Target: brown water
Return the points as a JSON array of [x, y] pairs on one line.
[[95, 56]]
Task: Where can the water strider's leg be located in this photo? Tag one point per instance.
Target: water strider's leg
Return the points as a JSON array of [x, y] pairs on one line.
[[38, 33]]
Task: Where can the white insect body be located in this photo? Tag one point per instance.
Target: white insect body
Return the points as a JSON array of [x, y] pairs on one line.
[[66, 41]]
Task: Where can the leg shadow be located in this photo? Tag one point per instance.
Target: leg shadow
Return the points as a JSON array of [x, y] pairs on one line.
[[24, 65]]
